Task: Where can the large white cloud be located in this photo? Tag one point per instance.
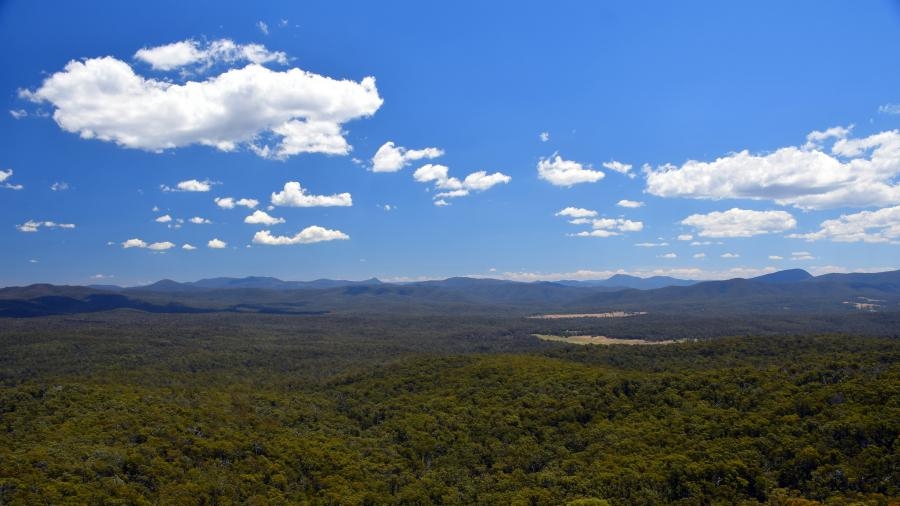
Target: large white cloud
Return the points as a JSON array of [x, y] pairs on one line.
[[740, 223], [882, 225], [103, 98], [855, 172], [216, 243], [452, 187], [391, 158], [294, 195], [308, 235], [33, 226], [609, 227], [262, 218], [561, 172]]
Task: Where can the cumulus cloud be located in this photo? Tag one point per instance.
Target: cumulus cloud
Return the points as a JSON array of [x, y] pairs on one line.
[[631, 204], [621, 168], [188, 247], [34, 226], [668, 256], [559, 172], [878, 226], [4, 176], [577, 212], [308, 235], [294, 195], [854, 172], [452, 187], [197, 220], [103, 98], [164, 219], [685, 237], [651, 244], [391, 158], [802, 255], [203, 55], [156, 246], [191, 185], [609, 227], [740, 223], [216, 243], [231, 203], [262, 218], [699, 255], [776, 257], [544, 136], [730, 255]]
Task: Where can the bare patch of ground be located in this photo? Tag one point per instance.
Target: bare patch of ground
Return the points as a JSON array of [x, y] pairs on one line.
[[601, 340], [613, 314]]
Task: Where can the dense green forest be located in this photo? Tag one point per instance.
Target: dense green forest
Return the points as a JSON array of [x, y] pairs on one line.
[[124, 407]]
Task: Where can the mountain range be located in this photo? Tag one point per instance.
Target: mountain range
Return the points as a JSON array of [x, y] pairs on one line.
[[792, 290]]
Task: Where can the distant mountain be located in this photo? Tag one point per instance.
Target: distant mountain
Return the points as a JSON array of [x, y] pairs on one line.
[[621, 281], [255, 282], [788, 276]]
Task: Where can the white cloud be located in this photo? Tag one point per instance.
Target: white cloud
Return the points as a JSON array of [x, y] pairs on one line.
[[621, 168], [262, 218], [156, 246], [231, 203], [740, 223], [544, 136], [883, 109], [699, 255], [197, 220], [668, 256], [188, 247], [631, 204], [855, 172], [6, 174], [308, 235], [730, 255], [882, 225], [802, 255], [685, 237], [608, 227], [652, 244], [191, 185], [561, 172], [34, 226], [263, 27], [577, 212], [453, 187], [164, 219], [18, 113], [776, 257], [189, 52], [391, 158], [441, 203], [216, 243], [294, 195], [160, 246], [59, 186], [103, 98]]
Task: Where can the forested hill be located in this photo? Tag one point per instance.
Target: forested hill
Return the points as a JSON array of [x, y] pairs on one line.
[[792, 291]]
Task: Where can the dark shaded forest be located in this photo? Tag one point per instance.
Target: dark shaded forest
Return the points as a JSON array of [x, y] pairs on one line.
[[125, 407]]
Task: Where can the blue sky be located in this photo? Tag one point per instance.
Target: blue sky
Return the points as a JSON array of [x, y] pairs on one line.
[[747, 137]]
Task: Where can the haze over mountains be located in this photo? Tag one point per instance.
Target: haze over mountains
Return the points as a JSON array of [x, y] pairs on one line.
[[791, 291]]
